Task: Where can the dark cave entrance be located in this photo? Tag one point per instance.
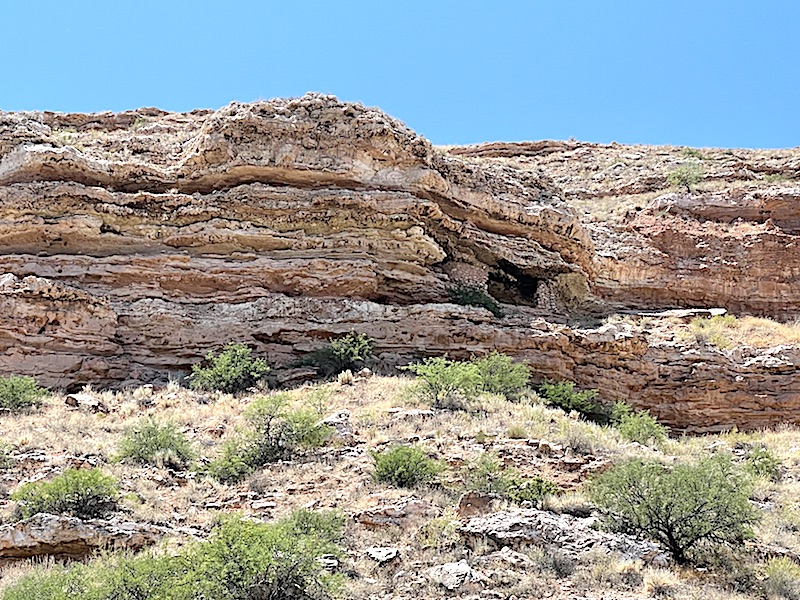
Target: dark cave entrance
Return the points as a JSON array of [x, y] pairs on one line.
[[510, 285]]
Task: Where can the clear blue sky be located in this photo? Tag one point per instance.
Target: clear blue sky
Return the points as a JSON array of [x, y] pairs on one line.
[[698, 73]]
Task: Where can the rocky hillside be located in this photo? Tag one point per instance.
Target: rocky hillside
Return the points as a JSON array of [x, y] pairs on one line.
[[131, 244]]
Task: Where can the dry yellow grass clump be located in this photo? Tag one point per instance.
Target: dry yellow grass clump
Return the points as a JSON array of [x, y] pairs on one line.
[[727, 331]]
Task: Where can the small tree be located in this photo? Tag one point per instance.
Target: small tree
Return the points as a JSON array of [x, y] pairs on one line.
[[234, 370], [351, 351], [686, 176], [563, 395], [680, 507]]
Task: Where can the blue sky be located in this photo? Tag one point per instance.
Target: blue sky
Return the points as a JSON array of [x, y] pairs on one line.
[[699, 73]]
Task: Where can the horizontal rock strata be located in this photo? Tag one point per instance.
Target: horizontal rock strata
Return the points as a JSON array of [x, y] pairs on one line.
[[131, 244]]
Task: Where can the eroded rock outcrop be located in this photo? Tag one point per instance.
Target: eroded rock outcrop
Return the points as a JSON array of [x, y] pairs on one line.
[[69, 537], [134, 243]]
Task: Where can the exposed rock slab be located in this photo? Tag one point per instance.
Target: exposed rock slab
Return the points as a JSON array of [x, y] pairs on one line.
[[572, 535], [70, 537]]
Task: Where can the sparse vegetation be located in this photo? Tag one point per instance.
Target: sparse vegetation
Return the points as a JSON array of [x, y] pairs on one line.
[[84, 493], [563, 395], [637, 425], [726, 331], [446, 383], [475, 295], [686, 176], [405, 466], [232, 371], [500, 375], [681, 507], [349, 352], [18, 392], [149, 442], [486, 475], [275, 433]]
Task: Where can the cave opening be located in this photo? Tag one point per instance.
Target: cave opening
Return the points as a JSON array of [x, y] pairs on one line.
[[510, 285]]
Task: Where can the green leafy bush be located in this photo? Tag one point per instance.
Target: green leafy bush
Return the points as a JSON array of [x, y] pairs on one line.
[[149, 442], [762, 463], [446, 383], [274, 433], [681, 507], [486, 475], [83, 493], [18, 392], [474, 295], [351, 351], [562, 394], [234, 370], [637, 425], [686, 175], [241, 560], [500, 375], [405, 466]]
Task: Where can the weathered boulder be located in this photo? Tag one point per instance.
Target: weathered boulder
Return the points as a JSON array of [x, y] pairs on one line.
[[70, 537]]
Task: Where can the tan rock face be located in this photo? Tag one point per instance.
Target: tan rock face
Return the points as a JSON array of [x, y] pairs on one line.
[[135, 243], [731, 242]]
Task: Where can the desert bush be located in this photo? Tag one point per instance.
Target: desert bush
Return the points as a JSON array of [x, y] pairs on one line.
[[405, 466], [716, 330], [234, 370], [83, 493], [18, 392], [686, 175], [149, 442], [762, 463], [446, 383], [486, 475], [637, 425], [241, 560], [500, 375], [681, 507], [351, 351], [562, 394], [274, 433], [474, 295]]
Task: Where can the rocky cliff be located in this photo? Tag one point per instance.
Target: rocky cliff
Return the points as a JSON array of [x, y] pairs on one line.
[[133, 243]]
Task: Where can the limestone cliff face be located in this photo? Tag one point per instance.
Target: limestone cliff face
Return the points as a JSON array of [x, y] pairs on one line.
[[134, 243], [731, 240], [200, 222]]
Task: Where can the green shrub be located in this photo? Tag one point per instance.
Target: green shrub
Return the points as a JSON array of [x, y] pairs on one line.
[[234, 370], [351, 351], [405, 466], [446, 383], [562, 394], [682, 507], [474, 295], [83, 493], [6, 461], [274, 433], [20, 392], [486, 475], [499, 375], [637, 426], [149, 442], [762, 463], [241, 560], [686, 175]]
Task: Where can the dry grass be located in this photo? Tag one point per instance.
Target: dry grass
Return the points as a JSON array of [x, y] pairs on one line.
[[383, 412], [728, 331]]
